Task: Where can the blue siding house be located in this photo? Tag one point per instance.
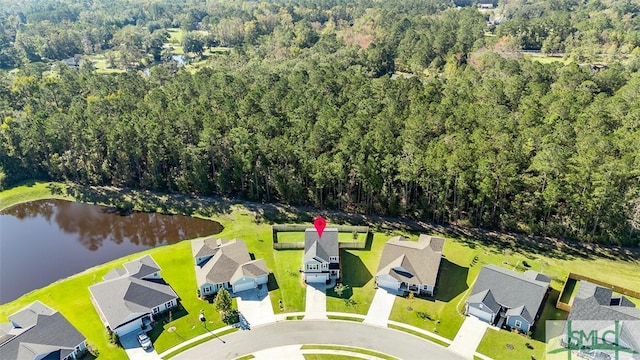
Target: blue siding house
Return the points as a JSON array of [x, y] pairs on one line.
[[507, 298]]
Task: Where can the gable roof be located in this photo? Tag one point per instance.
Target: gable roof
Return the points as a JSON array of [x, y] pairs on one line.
[[120, 298], [229, 262], [320, 249], [593, 302], [521, 311], [38, 331], [511, 289], [416, 262], [486, 298], [142, 267]]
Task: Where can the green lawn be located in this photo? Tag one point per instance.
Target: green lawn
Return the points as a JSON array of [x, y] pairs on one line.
[[298, 236], [30, 192], [504, 345], [358, 272], [329, 357], [349, 349]]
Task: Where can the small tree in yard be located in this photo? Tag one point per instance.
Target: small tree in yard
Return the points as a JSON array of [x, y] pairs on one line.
[[223, 302], [340, 288]]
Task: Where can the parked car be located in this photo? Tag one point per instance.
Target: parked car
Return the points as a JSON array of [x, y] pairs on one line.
[[144, 341]]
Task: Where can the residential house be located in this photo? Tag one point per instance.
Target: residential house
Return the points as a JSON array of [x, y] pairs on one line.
[[413, 266], [226, 264], [504, 297], [595, 308], [321, 260], [129, 297], [39, 332]]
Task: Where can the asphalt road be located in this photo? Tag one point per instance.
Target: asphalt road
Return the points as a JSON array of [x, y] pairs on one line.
[[349, 333]]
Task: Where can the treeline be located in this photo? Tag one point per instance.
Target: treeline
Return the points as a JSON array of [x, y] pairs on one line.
[[547, 149]]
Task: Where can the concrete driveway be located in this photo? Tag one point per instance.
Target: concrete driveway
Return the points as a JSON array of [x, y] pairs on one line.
[[255, 306], [134, 351], [380, 308], [316, 302], [468, 337]]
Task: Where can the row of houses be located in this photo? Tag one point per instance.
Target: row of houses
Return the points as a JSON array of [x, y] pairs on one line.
[[129, 297]]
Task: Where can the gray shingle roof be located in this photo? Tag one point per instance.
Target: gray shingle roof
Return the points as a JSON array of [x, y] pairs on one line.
[[415, 262], [230, 261], [118, 299], [593, 303], [521, 311], [511, 289], [49, 333], [253, 269], [486, 298], [322, 248], [142, 267]]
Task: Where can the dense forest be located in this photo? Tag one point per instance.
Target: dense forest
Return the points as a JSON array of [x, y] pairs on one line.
[[421, 108]]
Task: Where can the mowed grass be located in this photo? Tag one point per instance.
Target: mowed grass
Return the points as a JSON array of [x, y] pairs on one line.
[[358, 272], [457, 275], [298, 236], [72, 298], [29, 192], [504, 345]]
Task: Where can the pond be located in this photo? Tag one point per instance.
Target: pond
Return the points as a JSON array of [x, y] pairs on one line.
[[45, 241]]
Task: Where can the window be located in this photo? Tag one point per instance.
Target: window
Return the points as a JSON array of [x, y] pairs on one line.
[[518, 323], [155, 310]]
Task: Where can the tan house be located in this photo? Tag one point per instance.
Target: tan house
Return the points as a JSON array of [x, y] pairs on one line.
[[410, 266]]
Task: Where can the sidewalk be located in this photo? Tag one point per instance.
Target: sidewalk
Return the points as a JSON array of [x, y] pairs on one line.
[[191, 341]]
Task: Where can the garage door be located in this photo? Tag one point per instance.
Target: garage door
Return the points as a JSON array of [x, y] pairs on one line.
[[484, 316], [242, 286], [315, 278], [387, 284], [130, 327]]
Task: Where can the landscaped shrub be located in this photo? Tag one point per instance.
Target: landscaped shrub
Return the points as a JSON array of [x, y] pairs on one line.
[[231, 317]]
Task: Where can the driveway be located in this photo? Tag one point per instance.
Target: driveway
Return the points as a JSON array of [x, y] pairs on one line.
[[380, 308], [469, 336], [396, 343], [316, 302], [255, 306], [134, 351]]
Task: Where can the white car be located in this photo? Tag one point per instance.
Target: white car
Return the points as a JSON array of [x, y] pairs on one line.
[[144, 341]]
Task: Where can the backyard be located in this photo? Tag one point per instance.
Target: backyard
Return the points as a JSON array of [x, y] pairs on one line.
[[298, 236]]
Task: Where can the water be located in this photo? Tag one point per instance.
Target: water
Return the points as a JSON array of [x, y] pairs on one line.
[[45, 241]]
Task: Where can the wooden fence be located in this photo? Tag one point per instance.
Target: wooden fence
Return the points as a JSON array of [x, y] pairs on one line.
[[567, 307], [358, 245]]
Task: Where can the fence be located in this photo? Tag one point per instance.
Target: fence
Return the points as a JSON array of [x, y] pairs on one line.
[[358, 245], [567, 307]]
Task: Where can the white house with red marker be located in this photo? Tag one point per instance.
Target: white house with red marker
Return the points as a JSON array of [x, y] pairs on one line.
[[321, 259]]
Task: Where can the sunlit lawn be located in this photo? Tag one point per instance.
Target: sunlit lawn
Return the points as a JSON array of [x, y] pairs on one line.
[[504, 345]]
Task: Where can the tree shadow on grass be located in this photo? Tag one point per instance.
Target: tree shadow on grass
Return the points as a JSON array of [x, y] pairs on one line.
[[272, 283], [549, 312], [161, 320], [354, 274], [452, 281]]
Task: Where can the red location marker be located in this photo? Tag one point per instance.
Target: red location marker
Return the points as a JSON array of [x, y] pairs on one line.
[[320, 224]]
